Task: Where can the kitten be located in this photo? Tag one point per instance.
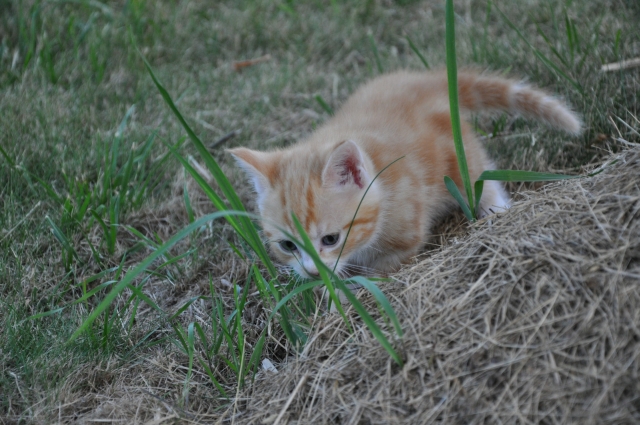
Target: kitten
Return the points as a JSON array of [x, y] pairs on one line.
[[404, 114]]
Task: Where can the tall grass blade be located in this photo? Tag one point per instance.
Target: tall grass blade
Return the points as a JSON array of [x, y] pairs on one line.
[[324, 105], [212, 378], [452, 79], [382, 300], [323, 270], [551, 47], [522, 176], [62, 238], [455, 192], [7, 157], [254, 361], [191, 351], [245, 227], [371, 323], [417, 52], [376, 54], [115, 146]]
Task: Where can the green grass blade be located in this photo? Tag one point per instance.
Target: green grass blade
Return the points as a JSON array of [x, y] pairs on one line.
[[376, 54], [126, 178], [330, 279], [212, 378], [184, 307], [138, 293], [452, 79], [245, 229], [212, 165], [115, 146], [324, 105], [7, 157], [145, 150], [326, 274], [191, 351], [248, 230], [62, 238], [217, 201], [522, 176], [203, 337], [382, 300], [455, 192], [181, 341], [152, 178], [91, 293], [98, 276], [45, 314], [417, 52], [370, 322], [257, 354], [52, 193], [83, 208], [235, 249], [551, 47], [297, 290]]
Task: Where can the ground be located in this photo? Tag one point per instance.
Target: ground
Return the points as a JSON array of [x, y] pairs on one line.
[[89, 187]]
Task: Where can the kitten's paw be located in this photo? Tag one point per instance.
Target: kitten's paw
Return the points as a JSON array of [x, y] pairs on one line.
[[494, 199]]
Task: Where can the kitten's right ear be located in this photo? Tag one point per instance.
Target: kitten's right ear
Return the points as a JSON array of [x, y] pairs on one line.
[[345, 167], [258, 166]]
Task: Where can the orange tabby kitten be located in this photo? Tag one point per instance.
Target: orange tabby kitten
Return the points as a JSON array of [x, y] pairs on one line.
[[404, 114]]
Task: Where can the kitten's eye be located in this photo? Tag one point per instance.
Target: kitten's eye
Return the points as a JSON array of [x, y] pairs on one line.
[[330, 240], [288, 246]]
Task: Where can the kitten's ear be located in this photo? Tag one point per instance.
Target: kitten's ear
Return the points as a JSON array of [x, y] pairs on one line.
[[257, 165], [345, 167]]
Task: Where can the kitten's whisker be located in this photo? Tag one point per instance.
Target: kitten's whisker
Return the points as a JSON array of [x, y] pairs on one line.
[[356, 268]]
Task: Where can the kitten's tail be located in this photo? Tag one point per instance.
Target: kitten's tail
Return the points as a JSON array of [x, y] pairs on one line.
[[478, 93]]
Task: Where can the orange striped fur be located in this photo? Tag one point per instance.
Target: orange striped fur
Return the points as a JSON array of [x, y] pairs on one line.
[[405, 114]]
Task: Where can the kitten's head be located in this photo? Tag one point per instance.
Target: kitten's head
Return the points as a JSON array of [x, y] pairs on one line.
[[322, 186]]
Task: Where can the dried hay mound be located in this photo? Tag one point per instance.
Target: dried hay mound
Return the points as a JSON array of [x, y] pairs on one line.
[[534, 317]]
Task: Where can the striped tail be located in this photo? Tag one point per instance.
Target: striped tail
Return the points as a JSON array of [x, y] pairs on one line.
[[480, 93]]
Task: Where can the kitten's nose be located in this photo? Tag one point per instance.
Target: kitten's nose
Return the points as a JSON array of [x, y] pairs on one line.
[[313, 272], [309, 266]]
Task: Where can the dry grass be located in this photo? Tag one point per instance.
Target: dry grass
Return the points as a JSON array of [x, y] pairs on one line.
[[532, 317]]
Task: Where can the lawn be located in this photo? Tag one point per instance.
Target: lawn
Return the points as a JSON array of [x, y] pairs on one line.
[[89, 186]]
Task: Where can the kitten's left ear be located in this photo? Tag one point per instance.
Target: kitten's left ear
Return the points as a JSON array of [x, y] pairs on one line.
[[258, 165], [345, 167]]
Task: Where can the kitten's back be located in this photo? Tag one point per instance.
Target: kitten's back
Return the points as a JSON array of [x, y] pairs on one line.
[[412, 95]]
